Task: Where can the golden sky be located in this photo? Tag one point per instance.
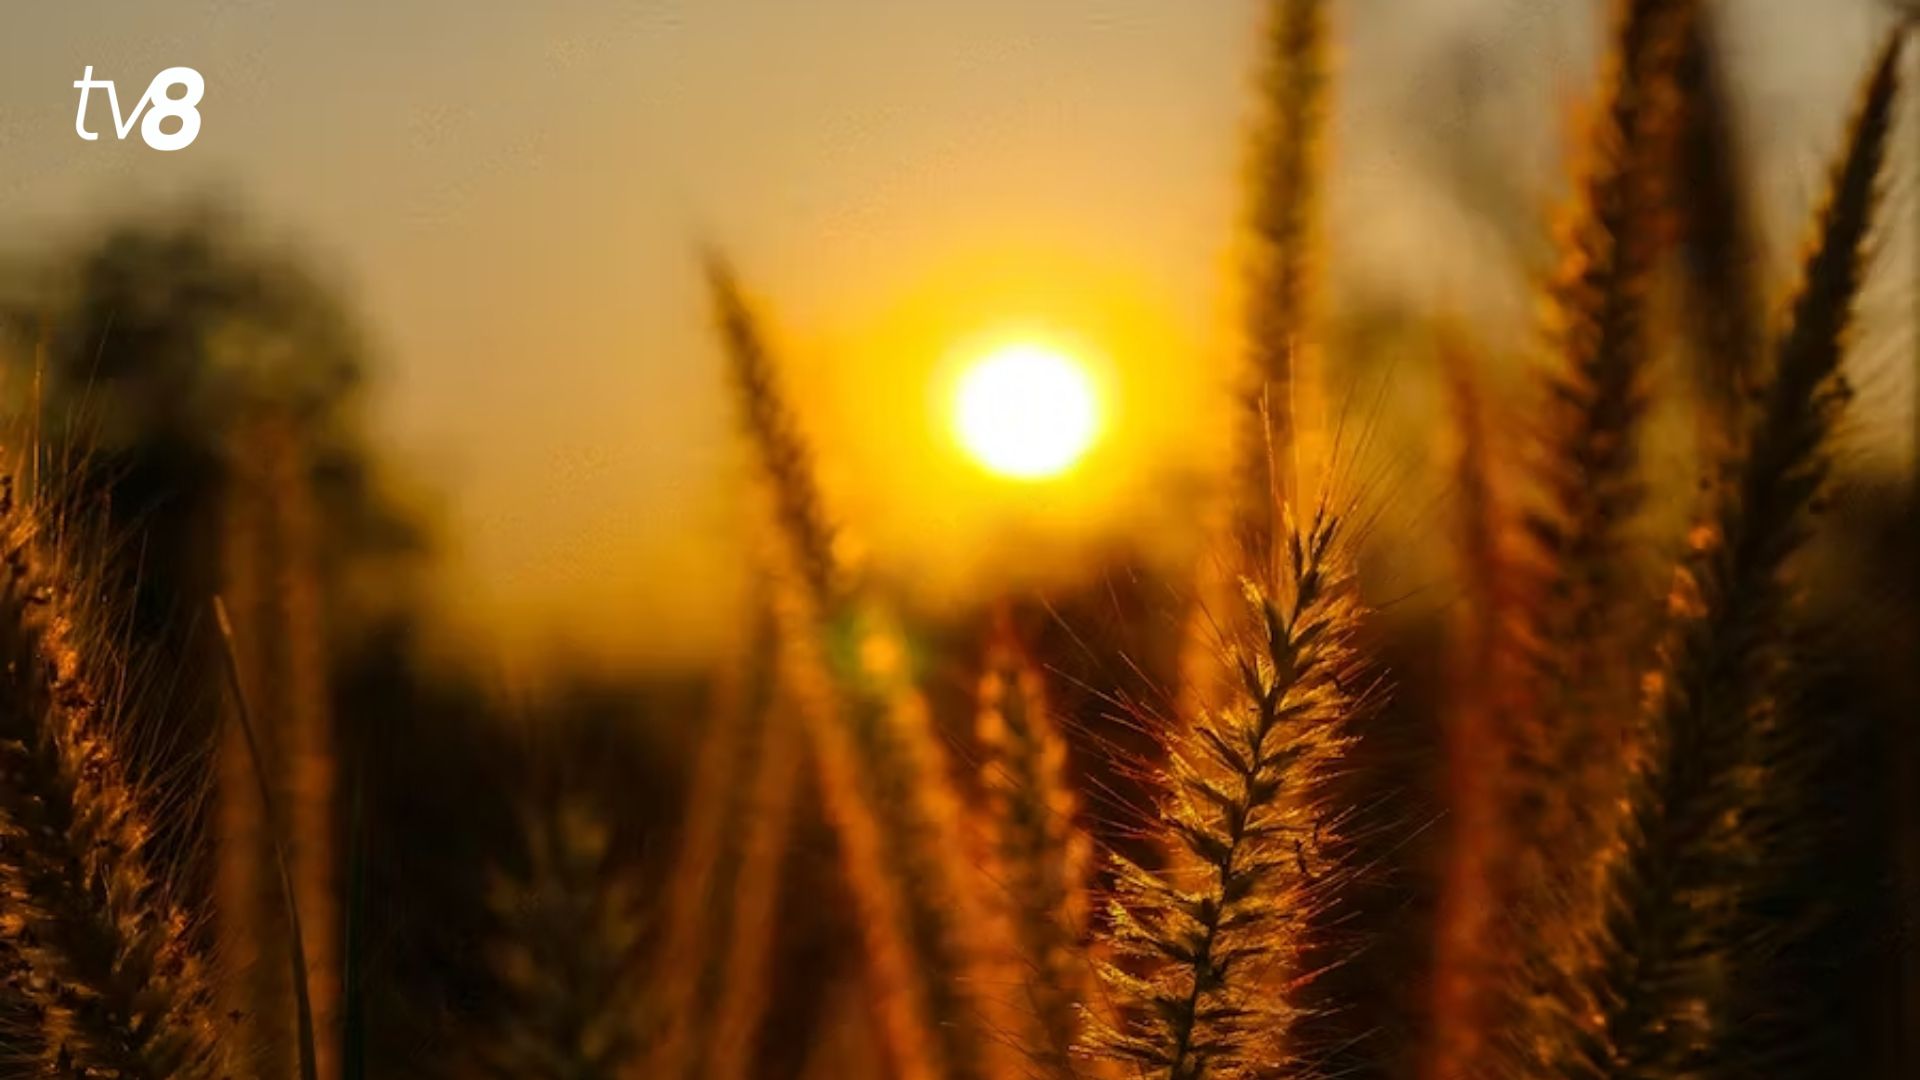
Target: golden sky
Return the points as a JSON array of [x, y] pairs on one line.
[[513, 195]]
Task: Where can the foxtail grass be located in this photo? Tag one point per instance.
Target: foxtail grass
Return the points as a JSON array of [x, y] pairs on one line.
[[780, 448], [1279, 386], [95, 940], [1040, 851], [567, 952], [1576, 560], [1562, 643], [1282, 399], [1721, 257], [1206, 950], [720, 914], [883, 771], [1707, 819], [746, 973]]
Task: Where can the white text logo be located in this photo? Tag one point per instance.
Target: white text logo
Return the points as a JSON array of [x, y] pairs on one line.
[[160, 103]]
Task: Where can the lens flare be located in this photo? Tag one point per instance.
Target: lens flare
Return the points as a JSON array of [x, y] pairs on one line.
[[1026, 411]]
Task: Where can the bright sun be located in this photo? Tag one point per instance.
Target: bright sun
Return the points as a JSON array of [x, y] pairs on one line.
[[1026, 411]]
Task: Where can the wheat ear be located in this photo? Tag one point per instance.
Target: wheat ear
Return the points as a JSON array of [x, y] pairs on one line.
[[1199, 947], [107, 958], [1701, 835], [1042, 853]]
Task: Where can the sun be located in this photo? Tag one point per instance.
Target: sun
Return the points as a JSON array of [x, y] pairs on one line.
[[1026, 411]]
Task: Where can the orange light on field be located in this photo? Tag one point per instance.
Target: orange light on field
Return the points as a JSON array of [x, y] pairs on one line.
[[1026, 411]]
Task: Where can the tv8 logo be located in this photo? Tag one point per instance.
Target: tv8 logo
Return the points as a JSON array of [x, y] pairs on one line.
[[160, 103]]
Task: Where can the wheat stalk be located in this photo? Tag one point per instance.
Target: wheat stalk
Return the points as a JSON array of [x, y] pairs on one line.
[[108, 959], [1198, 947], [1706, 817]]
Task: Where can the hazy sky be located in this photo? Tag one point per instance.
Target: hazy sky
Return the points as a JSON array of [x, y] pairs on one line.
[[511, 195]]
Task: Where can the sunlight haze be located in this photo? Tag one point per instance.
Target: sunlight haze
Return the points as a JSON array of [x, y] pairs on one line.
[[512, 197]]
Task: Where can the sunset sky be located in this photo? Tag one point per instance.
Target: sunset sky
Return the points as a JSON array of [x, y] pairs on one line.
[[513, 197]]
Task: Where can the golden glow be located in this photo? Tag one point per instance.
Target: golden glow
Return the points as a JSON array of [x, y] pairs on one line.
[[1026, 411]]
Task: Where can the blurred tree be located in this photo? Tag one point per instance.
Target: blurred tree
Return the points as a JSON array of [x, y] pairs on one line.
[[198, 397], [159, 337]]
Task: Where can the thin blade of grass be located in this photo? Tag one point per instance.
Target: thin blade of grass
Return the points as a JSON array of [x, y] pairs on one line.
[[297, 951], [353, 1039]]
